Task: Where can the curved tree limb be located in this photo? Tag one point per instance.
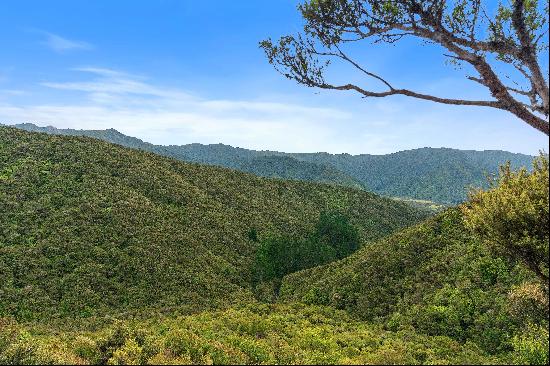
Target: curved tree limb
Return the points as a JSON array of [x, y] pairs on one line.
[[511, 38], [528, 54]]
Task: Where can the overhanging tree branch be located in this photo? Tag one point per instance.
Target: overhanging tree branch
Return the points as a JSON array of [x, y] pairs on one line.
[[464, 29], [410, 93]]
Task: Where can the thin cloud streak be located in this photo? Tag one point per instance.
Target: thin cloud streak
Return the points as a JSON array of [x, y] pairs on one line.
[[61, 44], [106, 98]]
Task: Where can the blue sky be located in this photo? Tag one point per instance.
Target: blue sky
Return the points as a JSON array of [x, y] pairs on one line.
[[182, 71]]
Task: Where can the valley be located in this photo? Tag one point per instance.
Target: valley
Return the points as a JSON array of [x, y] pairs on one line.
[[115, 255]]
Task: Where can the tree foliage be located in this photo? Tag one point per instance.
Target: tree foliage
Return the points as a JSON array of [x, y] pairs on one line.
[[503, 45], [334, 238], [512, 217]]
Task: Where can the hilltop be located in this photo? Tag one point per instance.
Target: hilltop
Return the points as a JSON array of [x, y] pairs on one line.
[[264, 164], [441, 175], [92, 228]]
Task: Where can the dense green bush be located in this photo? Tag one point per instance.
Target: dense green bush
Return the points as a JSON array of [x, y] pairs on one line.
[[531, 346], [335, 230], [334, 238], [512, 217]]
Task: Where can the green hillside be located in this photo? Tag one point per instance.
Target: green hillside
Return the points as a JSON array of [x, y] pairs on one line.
[[440, 175], [434, 278], [286, 167], [114, 255], [89, 228], [263, 164], [109, 135]]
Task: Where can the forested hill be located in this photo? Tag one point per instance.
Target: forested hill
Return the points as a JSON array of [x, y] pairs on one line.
[[435, 278], [441, 175], [264, 164], [92, 228]]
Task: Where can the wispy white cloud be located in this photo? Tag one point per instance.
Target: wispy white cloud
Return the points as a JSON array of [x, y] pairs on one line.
[[12, 92], [61, 44], [104, 98], [101, 71], [113, 83], [113, 99]]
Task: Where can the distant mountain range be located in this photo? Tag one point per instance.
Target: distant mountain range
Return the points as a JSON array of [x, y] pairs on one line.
[[440, 175]]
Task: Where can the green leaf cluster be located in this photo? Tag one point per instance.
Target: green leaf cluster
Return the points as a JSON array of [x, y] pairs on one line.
[[334, 238], [512, 217]]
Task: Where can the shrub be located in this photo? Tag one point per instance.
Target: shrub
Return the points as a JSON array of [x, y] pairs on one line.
[[335, 230], [129, 354], [512, 217], [531, 346]]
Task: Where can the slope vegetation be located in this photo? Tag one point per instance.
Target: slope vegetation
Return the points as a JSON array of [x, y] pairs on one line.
[[286, 167], [440, 175], [434, 278], [91, 228], [254, 334]]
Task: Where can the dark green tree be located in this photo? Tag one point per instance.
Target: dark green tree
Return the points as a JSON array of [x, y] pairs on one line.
[[335, 230], [334, 238]]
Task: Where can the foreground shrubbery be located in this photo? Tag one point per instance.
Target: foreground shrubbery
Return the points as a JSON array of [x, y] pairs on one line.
[[442, 280], [256, 334], [512, 217]]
